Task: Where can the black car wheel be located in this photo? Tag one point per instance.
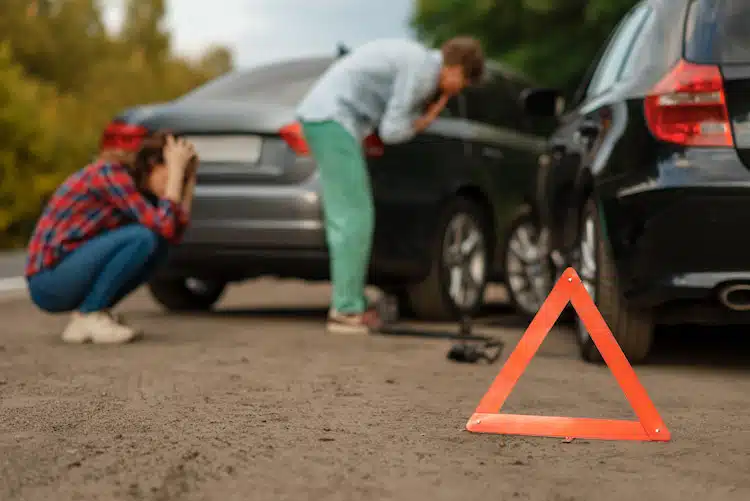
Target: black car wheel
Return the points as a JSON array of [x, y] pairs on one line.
[[186, 294], [459, 268], [528, 271], [633, 328]]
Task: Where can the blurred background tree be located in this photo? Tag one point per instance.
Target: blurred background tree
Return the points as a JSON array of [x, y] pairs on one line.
[[216, 60], [63, 76], [143, 29], [552, 41]]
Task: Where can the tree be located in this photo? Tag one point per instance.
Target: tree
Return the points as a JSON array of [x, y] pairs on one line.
[[553, 41], [144, 29], [34, 153], [216, 61], [58, 43]]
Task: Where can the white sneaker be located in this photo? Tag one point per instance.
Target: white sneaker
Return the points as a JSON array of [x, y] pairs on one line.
[[98, 327], [120, 319], [358, 324]]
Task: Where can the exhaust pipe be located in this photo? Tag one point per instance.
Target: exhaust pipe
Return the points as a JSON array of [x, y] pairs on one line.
[[736, 297]]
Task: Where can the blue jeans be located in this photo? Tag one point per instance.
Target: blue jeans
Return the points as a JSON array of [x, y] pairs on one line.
[[100, 273]]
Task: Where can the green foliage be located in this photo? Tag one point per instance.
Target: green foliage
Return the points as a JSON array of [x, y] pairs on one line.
[[553, 41], [143, 27], [33, 149], [62, 78]]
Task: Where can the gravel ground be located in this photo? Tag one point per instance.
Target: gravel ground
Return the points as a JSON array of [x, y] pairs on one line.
[[256, 402]]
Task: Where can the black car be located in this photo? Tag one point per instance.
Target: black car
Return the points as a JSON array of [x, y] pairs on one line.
[[647, 176], [448, 204]]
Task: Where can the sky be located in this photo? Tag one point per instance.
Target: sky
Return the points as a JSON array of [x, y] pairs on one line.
[[265, 30]]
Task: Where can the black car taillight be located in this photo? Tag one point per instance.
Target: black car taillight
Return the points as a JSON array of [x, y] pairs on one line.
[[293, 136], [373, 146], [688, 107]]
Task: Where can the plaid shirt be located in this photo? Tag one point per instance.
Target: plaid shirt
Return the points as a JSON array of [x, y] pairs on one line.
[[97, 198]]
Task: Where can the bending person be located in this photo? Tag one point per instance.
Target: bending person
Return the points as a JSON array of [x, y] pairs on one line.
[[103, 233], [381, 86]]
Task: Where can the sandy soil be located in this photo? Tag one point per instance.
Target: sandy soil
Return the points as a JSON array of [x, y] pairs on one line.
[[256, 402]]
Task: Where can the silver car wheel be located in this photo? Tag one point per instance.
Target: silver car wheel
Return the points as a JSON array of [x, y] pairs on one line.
[[587, 268], [198, 287], [465, 261], [527, 268]]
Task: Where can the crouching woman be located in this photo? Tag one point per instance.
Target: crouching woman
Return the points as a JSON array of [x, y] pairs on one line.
[[104, 232]]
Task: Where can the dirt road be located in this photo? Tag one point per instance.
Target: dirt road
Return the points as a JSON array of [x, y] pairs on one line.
[[255, 402]]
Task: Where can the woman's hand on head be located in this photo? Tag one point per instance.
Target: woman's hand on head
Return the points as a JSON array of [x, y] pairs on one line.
[[178, 154], [192, 167], [433, 111]]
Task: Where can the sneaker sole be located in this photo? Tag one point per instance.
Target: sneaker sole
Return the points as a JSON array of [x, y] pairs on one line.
[[75, 340], [336, 328], [89, 340], [137, 336]]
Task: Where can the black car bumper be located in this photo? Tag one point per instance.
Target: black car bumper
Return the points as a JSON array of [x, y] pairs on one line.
[[681, 238], [233, 264]]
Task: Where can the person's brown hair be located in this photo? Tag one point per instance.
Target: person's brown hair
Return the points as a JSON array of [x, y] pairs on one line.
[[466, 52], [150, 153]]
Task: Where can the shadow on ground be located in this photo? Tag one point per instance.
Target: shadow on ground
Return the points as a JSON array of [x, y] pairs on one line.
[[720, 347], [710, 347], [687, 345]]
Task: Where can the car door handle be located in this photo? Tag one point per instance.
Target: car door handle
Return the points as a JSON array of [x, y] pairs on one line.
[[494, 153]]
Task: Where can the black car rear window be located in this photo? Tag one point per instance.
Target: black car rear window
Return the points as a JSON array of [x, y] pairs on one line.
[[284, 83], [718, 32]]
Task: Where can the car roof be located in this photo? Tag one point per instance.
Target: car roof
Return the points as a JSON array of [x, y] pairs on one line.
[[285, 67], [297, 73], [667, 6], [285, 79], [320, 61], [670, 3]]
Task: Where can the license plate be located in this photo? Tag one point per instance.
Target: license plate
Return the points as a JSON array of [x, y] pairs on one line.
[[228, 149]]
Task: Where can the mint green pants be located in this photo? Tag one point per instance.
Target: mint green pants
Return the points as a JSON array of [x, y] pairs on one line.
[[347, 208]]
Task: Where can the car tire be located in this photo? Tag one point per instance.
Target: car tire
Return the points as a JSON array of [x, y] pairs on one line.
[[435, 297], [401, 296], [186, 294], [633, 328], [527, 268]]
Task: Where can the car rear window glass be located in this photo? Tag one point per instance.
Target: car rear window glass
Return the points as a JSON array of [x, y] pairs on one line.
[[717, 32], [284, 83], [618, 51], [735, 29]]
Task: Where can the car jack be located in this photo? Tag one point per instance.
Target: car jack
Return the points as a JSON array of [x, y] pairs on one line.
[[470, 349], [479, 349]]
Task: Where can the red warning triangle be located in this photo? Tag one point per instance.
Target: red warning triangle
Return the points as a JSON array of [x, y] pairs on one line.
[[569, 288]]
